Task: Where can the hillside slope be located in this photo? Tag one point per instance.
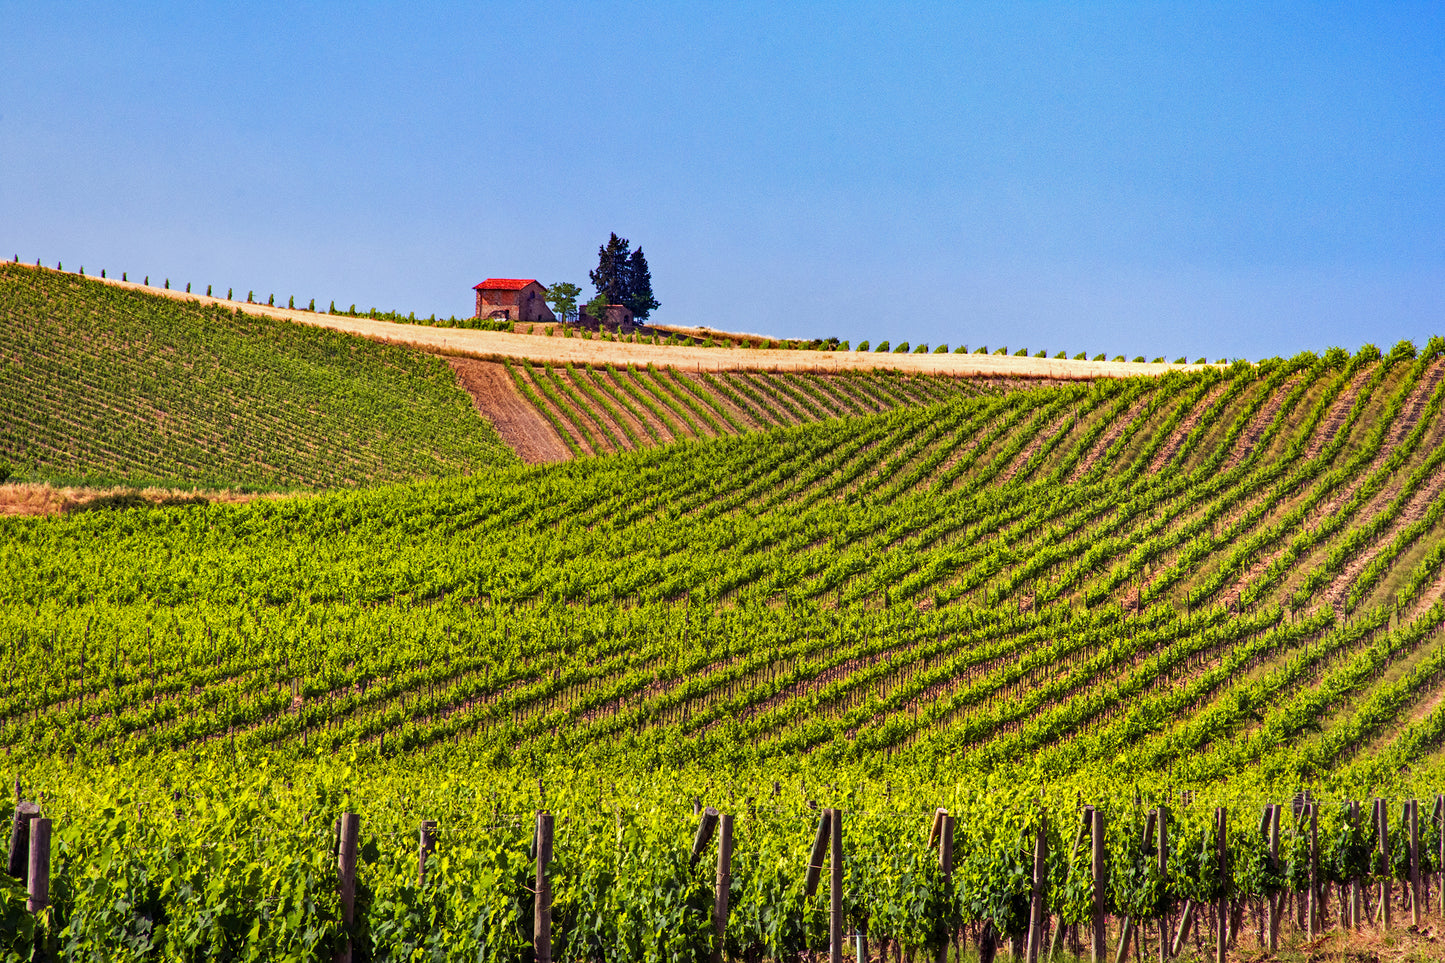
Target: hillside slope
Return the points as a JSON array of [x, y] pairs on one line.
[[1077, 576], [1156, 596], [99, 381]]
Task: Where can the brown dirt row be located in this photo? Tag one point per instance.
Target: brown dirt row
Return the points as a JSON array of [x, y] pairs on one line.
[[1338, 412], [537, 348], [521, 426], [1413, 510], [1244, 446], [1182, 430], [1035, 443], [1110, 436]]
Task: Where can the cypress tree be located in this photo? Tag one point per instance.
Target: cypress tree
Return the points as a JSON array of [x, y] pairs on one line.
[[638, 297], [610, 278]]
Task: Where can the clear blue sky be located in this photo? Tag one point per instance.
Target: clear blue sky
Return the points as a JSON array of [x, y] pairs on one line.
[[1158, 179]]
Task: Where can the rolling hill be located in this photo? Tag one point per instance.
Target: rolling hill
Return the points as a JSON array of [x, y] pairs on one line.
[[1178, 599]]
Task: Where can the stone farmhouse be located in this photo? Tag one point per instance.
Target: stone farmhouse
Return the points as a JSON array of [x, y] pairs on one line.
[[520, 299]]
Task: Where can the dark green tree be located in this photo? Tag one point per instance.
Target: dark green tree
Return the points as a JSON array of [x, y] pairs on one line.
[[610, 278], [638, 295]]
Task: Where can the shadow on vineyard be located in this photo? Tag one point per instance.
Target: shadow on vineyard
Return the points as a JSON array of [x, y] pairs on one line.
[[1122, 669]]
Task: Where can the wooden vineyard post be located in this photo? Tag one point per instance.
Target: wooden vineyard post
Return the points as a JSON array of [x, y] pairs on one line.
[[1312, 923], [1414, 806], [1440, 864], [1356, 909], [1097, 874], [1221, 928], [1036, 897], [17, 859], [945, 863], [37, 882], [724, 885], [1382, 820], [542, 915], [1272, 901], [835, 889], [815, 860], [705, 828], [1085, 821], [350, 828], [1161, 854], [426, 842]]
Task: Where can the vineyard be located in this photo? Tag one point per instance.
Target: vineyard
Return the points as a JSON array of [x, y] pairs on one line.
[[100, 382], [1154, 644], [597, 410]]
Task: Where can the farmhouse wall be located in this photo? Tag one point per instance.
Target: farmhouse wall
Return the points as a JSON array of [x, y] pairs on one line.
[[526, 305]]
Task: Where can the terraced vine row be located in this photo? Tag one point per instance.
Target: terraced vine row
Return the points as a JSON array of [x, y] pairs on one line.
[[607, 410]]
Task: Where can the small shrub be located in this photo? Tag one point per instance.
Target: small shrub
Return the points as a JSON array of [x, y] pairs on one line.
[[883, 347], [271, 301], [1402, 351], [1222, 361], [1061, 355], [332, 309], [981, 350], [922, 348], [1201, 361], [1099, 356], [208, 290], [902, 348], [1180, 361], [961, 349], [844, 346], [1041, 353], [188, 287], [1003, 350], [1159, 360], [250, 297], [1118, 357], [863, 345], [312, 307], [941, 349], [1082, 356], [168, 284], [1139, 359], [291, 302]]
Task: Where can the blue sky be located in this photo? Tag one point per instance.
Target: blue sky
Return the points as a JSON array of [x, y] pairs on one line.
[[1157, 179]]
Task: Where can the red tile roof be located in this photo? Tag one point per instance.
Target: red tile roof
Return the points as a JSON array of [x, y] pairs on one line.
[[504, 284]]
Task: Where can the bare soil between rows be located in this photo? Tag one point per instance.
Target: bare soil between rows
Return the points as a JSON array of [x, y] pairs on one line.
[[496, 399]]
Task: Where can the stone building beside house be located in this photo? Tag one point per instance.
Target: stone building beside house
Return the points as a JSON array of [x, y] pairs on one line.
[[619, 316], [519, 299]]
